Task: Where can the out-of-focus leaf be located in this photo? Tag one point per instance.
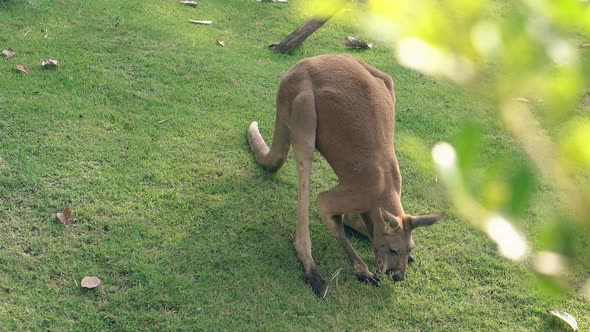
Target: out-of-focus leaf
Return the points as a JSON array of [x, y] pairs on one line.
[[522, 184], [90, 282], [325, 7], [49, 63], [549, 287], [467, 144], [65, 216], [564, 316], [200, 22], [8, 53], [22, 68], [494, 193], [560, 234], [511, 242], [354, 42], [575, 146], [189, 3], [560, 92], [550, 263]]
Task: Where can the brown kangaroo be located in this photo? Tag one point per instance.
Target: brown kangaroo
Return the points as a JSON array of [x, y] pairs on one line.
[[345, 109]]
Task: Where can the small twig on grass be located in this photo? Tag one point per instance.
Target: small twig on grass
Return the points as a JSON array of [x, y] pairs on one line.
[[20, 26], [200, 22], [189, 3], [334, 276]]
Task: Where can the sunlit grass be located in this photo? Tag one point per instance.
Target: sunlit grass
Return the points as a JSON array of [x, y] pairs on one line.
[[142, 132]]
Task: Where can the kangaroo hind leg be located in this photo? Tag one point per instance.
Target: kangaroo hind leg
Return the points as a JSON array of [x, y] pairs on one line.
[[303, 121]]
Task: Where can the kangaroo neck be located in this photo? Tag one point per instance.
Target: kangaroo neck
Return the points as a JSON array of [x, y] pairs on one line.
[[391, 183]]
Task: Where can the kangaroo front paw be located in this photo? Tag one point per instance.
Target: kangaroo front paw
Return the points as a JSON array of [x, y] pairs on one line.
[[368, 278], [317, 283]]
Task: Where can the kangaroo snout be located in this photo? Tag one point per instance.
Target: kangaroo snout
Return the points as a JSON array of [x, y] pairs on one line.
[[395, 275]]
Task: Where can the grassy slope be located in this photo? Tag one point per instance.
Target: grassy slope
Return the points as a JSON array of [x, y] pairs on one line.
[[184, 229]]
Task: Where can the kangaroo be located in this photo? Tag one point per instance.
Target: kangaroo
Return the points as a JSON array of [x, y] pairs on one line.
[[345, 109]]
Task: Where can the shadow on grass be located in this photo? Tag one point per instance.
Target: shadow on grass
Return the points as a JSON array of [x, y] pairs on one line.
[[240, 250]]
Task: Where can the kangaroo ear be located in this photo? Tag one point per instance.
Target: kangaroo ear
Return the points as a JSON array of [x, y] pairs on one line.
[[421, 221], [392, 223]]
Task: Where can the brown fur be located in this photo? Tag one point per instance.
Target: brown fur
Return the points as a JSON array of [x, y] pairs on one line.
[[344, 108]]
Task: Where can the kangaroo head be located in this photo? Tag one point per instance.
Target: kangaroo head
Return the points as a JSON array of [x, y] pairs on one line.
[[392, 240]]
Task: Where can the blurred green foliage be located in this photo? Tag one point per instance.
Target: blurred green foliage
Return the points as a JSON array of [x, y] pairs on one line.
[[531, 61]]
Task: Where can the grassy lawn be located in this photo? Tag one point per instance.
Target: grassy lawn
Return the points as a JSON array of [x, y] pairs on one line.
[[142, 132]]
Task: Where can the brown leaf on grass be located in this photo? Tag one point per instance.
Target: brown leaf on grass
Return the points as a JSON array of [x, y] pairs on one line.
[[354, 42], [219, 42], [90, 282], [49, 63], [65, 216], [189, 3], [22, 68], [8, 53]]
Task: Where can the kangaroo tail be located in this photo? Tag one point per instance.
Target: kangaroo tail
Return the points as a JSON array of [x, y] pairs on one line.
[[273, 158]]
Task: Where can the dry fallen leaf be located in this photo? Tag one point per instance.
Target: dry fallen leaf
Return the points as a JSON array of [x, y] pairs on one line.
[[65, 216], [567, 318], [189, 3], [22, 69], [219, 42], [8, 53], [49, 63], [354, 42], [90, 282], [200, 22]]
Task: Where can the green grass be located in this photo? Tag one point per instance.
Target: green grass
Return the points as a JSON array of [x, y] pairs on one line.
[[142, 132]]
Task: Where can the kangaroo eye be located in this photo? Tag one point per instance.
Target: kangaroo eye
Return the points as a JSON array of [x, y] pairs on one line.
[[392, 251]]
